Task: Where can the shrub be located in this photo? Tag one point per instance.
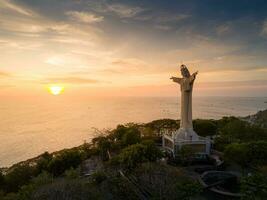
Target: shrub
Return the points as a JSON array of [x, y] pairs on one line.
[[119, 132], [2, 181], [18, 176], [43, 161], [103, 145], [26, 191], [188, 189], [131, 136], [237, 153], [205, 127], [72, 173], [65, 160], [98, 177], [186, 154], [135, 154], [234, 130], [254, 187], [247, 154], [126, 136]]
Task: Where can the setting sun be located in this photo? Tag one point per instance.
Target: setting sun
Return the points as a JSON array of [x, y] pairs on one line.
[[56, 89]]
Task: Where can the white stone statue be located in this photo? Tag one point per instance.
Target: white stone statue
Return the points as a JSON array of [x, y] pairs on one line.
[[186, 131]]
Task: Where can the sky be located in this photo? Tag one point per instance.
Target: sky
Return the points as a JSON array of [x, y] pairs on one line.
[[132, 48]]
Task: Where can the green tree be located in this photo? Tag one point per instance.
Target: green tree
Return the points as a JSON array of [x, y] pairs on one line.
[[43, 161], [185, 154], [42, 179], [247, 154], [152, 152], [18, 176], [254, 187], [257, 153], [131, 156], [187, 189], [131, 136], [157, 125], [103, 145], [205, 127], [98, 177], [119, 132], [221, 141], [2, 181], [72, 173], [135, 154], [234, 130], [242, 131], [237, 153], [26, 191], [65, 160], [11, 196]]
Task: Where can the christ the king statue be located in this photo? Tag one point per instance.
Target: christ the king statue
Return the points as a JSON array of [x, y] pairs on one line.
[[186, 131]]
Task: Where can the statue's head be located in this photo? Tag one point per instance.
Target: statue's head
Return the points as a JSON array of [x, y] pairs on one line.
[[184, 71]]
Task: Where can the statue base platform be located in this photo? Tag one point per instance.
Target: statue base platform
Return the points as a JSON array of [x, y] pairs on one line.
[[174, 140], [185, 134]]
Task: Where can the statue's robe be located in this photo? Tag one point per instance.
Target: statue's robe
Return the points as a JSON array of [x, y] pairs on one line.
[[186, 103], [186, 131]]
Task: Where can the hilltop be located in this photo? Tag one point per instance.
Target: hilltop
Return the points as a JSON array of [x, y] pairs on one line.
[[128, 163], [260, 118]]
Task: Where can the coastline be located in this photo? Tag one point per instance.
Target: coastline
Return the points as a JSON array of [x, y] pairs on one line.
[[250, 119]]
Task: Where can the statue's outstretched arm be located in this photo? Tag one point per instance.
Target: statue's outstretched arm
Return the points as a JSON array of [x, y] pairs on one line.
[[193, 76], [176, 79]]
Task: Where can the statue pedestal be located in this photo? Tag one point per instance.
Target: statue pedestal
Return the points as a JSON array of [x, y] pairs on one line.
[[174, 140], [186, 134]]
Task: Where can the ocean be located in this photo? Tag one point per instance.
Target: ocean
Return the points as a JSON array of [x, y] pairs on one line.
[[29, 127]]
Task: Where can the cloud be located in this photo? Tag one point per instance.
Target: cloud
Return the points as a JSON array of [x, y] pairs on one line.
[[84, 17], [231, 84], [55, 60], [9, 5], [6, 86], [71, 40], [128, 65], [36, 26], [45, 29], [264, 28], [124, 11], [203, 49], [70, 80], [223, 29], [67, 61], [4, 74], [162, 20], [19, 44], [163, 27], [165, 17]]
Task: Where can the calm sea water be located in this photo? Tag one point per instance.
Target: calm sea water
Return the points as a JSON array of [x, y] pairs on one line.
[[30, 127]]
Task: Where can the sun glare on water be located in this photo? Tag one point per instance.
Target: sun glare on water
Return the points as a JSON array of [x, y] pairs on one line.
[[56, 89]]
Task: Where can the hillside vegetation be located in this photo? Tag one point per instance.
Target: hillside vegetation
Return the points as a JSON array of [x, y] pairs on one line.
[[125, 163]]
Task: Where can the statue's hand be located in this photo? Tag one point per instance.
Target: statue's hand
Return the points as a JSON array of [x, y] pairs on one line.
[[194, 74], [175, 79]]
